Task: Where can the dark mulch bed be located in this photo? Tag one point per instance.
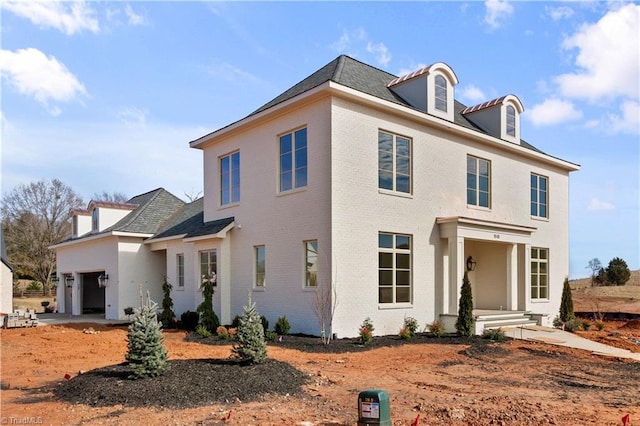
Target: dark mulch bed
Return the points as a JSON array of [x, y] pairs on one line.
[[194, 383]]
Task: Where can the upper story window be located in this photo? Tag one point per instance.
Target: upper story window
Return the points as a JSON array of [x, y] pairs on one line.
[[293, 160], [539, 273], [478, 182], [208, 267], [94, 219], [260, 266], [311, 264], [539, 196], [180, 269], [394, 162], [230, 179], [441, 93], [394, 268], [511, 121]]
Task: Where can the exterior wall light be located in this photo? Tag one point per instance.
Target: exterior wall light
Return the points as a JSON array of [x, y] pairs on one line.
[[471, 264], [102, 280]]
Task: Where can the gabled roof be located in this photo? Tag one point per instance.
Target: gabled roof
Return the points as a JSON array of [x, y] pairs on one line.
[[188, 222]]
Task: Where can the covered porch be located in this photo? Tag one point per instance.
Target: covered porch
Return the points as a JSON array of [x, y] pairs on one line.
[[496, 257]]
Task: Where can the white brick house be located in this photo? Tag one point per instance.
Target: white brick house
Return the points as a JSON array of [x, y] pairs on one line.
[[386, 189]]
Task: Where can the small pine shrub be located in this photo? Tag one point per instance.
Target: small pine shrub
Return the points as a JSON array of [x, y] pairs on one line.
[[586, 325], [464, 323], [366, 331], [167, 317], [202, 331], [600, 325], [146, 353], [282, 326], [222, 332], [436, 328], [265, 323], [251, 346], [495, 334], [189, 320], [412, 325], [573, 325]]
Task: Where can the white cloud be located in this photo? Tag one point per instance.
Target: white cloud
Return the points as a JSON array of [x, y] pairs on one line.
[[598, 205], [557, 13], [608, 58], [347, 38], [553, 111], [497, 12], [132, 116], [471, 93], [67, 17], [628, 121], [380, 50], [229, 72], [133, 18], [32, 73]]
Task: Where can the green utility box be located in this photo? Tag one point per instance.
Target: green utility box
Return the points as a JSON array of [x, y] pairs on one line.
[[373, 408]]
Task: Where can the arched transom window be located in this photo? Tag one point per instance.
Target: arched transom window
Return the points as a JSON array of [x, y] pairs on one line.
[[511, 121], [441, 93]]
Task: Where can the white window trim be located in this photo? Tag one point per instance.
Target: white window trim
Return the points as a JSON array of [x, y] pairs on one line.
[[305, 265], [293, 188], [490, 192], [255, 267], [394, 191], [538, 260], [178, 286], [537, 216], [394, 251], [230, 203]]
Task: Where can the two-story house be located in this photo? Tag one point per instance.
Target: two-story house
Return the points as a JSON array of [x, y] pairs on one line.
[[378, 192]]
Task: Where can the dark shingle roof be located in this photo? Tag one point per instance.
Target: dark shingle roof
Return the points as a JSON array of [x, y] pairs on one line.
[[189, 221], [3, 251], [364, 78]]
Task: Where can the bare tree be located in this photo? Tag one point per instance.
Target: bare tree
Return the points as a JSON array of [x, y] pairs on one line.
[[192, 196], [35, 217], [324, 306], [112, 197], [595, 265]]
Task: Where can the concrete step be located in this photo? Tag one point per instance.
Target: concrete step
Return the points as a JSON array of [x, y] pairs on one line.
[[502, 315], [507, 324]]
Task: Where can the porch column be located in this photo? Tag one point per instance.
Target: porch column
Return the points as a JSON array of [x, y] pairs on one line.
[[224, 283], [512, 277], [456, 272], [76, 294]]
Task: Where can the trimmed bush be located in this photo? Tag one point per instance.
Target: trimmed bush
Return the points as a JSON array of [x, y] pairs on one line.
[[236, 321], [251, 345], [464, 323], [566, 304], [222, 332], [189, 320], [573, 324], [494, 334], [436, 328], [208, 317], [265, 323], [282, 326], [167, 316]]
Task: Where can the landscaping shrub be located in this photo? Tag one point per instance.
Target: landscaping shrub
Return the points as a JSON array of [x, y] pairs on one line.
[[405, 333], [34, 286], [494, 334], [566, 304], [128, 311], [222, 332], [412, 325], [366, 331], [202, 331], [189, 320], [236, 321], [167, 316], [557, 322], [271, 336], [464, 323], [251, 345], [573, 325], [265, 323], [600, 325], [146, 354], [208, 317], [586, 325], [436, 328], [282, 326]]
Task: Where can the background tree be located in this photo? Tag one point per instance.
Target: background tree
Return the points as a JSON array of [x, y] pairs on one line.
[[35, 217], [618, 272], [111, 197], [566, 303], [464, 323], [594, 265]]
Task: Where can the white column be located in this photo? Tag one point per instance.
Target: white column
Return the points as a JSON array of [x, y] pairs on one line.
[[76, 294], [456, 272], [512, 277], [224, 285], [446, 258], [527, 275]]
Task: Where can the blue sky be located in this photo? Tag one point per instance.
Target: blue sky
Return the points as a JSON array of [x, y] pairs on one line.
[[106, 95]]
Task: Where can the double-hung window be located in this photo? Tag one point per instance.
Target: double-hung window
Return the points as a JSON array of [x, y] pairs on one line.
[[260, 266], [441, 93], [394, 268], [94, 220], [180, 269], [394, 162], [511, 121], [311, 264], [539, 196], [230, 179], [539, 273], [208, 267], [293, 160], [478, 182]]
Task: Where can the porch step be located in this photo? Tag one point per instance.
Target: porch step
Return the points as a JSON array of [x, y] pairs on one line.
[[502, 319], [512, 323], [500, 315]]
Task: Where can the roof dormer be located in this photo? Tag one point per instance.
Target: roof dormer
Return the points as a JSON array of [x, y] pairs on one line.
[[105, 214], [80, 222], [429, 89], [499, 117]]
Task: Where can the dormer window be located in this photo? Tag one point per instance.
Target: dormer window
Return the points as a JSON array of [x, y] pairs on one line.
[[511, 121], [94, 220], [74, 226], [441, 93]]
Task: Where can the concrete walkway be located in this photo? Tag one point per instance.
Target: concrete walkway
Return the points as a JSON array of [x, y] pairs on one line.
[[558, 337]]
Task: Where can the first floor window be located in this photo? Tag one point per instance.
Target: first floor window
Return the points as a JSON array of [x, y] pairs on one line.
[[311, 264], [394, 268], [260, 265], [293, 160], [539, 195], [478, 182], [208, 267], [539, 273], [180, 269], [230, 179]]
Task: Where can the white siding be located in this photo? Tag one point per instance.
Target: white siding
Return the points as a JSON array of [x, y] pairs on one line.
[[6, 289]]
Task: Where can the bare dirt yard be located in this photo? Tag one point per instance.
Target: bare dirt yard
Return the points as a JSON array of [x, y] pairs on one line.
[[598, 299], [446, 381]]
